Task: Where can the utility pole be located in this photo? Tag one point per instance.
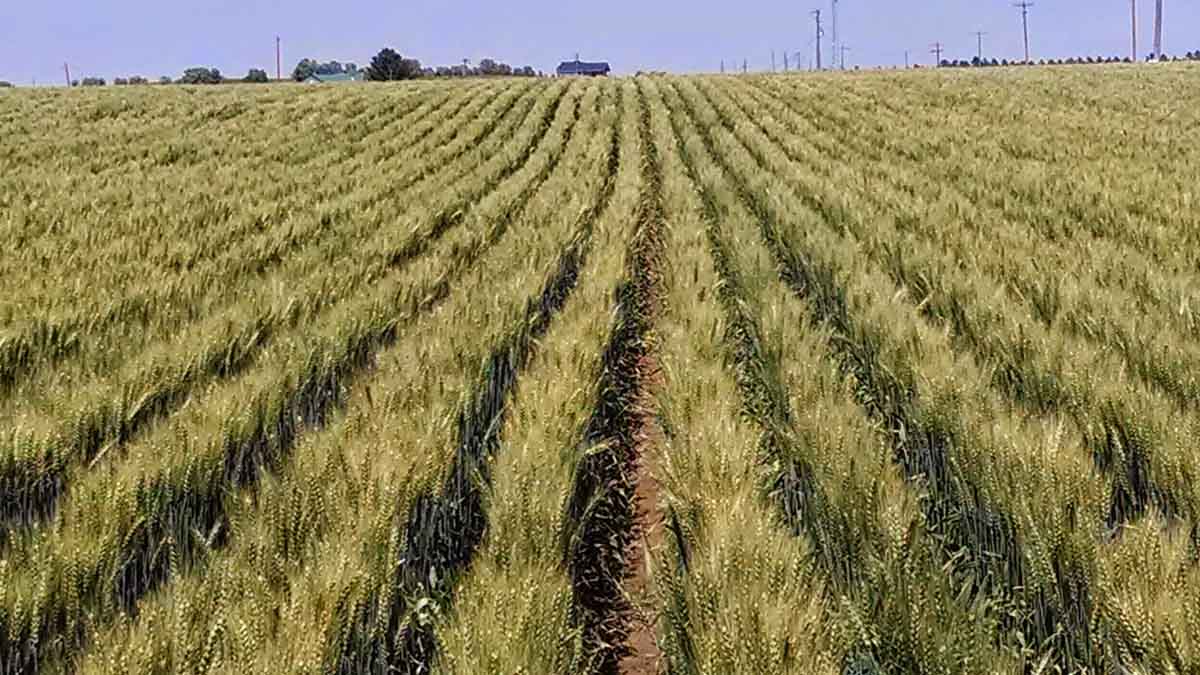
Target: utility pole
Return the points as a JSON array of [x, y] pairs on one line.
[[820, 32], [772, 60], [835, 43], [1133, 23], [67, 70], [906, 59], [722, 66], [979, 35], [936, 49], [745, 66], [785, 61], [1158, 20], [278, 59], [1024, 6], [842, 54]]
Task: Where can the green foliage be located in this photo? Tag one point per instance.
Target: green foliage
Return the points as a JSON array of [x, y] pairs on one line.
[[256, 76], [389, 65], [201, 76]]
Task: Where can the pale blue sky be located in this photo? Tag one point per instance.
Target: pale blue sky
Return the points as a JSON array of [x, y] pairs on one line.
[[162, 37]]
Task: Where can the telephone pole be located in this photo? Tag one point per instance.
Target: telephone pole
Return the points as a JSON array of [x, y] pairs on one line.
[[979, 36], [820, 32], [785, 61], [772, 60], [745, 66], [1133, 24], [278, 59], [1024, 6], [834, 45], [936, 49], [1158, 20], [842, 55], [906, 66]]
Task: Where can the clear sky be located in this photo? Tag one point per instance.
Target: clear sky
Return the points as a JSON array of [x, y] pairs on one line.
[[162, 37]]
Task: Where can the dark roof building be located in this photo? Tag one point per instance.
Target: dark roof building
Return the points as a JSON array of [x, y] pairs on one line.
[[584, 68]]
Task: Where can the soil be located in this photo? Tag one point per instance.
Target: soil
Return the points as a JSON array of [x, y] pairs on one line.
[[643, 655]]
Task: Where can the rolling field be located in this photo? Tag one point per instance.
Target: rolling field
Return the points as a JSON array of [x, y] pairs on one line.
[[872, 373]]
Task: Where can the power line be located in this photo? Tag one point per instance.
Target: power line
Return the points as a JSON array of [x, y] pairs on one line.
[[1024, 6]]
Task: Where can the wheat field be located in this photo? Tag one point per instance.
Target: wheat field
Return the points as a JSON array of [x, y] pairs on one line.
[[832, 373]]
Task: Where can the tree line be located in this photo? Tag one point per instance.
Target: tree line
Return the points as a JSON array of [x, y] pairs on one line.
[[387, 65], [390, 65], [977, 62]]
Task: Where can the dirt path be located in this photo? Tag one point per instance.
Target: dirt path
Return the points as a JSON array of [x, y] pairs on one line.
[[643, 657]]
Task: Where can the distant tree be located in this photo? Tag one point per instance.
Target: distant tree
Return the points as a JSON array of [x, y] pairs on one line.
[[1163, 58], [137, 79], [201, 76], [257, 76], [330, 68], [304, 70], [164, 80], [491, 67], [5, 85], [527, 71], [388, 66], [74, 83], [94, 82], [120, 81]]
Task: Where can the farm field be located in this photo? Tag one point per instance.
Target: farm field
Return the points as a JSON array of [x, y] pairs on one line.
[[858, 373]]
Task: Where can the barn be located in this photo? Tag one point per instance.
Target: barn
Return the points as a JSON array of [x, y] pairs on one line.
[[583, 69]]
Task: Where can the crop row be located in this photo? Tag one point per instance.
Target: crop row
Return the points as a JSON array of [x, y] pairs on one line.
[[889, 604], [1129, 428], [43, 451], [399, 526], [100, 329], [1015, 493]]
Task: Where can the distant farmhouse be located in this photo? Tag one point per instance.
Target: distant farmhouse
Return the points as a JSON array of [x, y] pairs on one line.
[[336, 78], [583, 69]]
